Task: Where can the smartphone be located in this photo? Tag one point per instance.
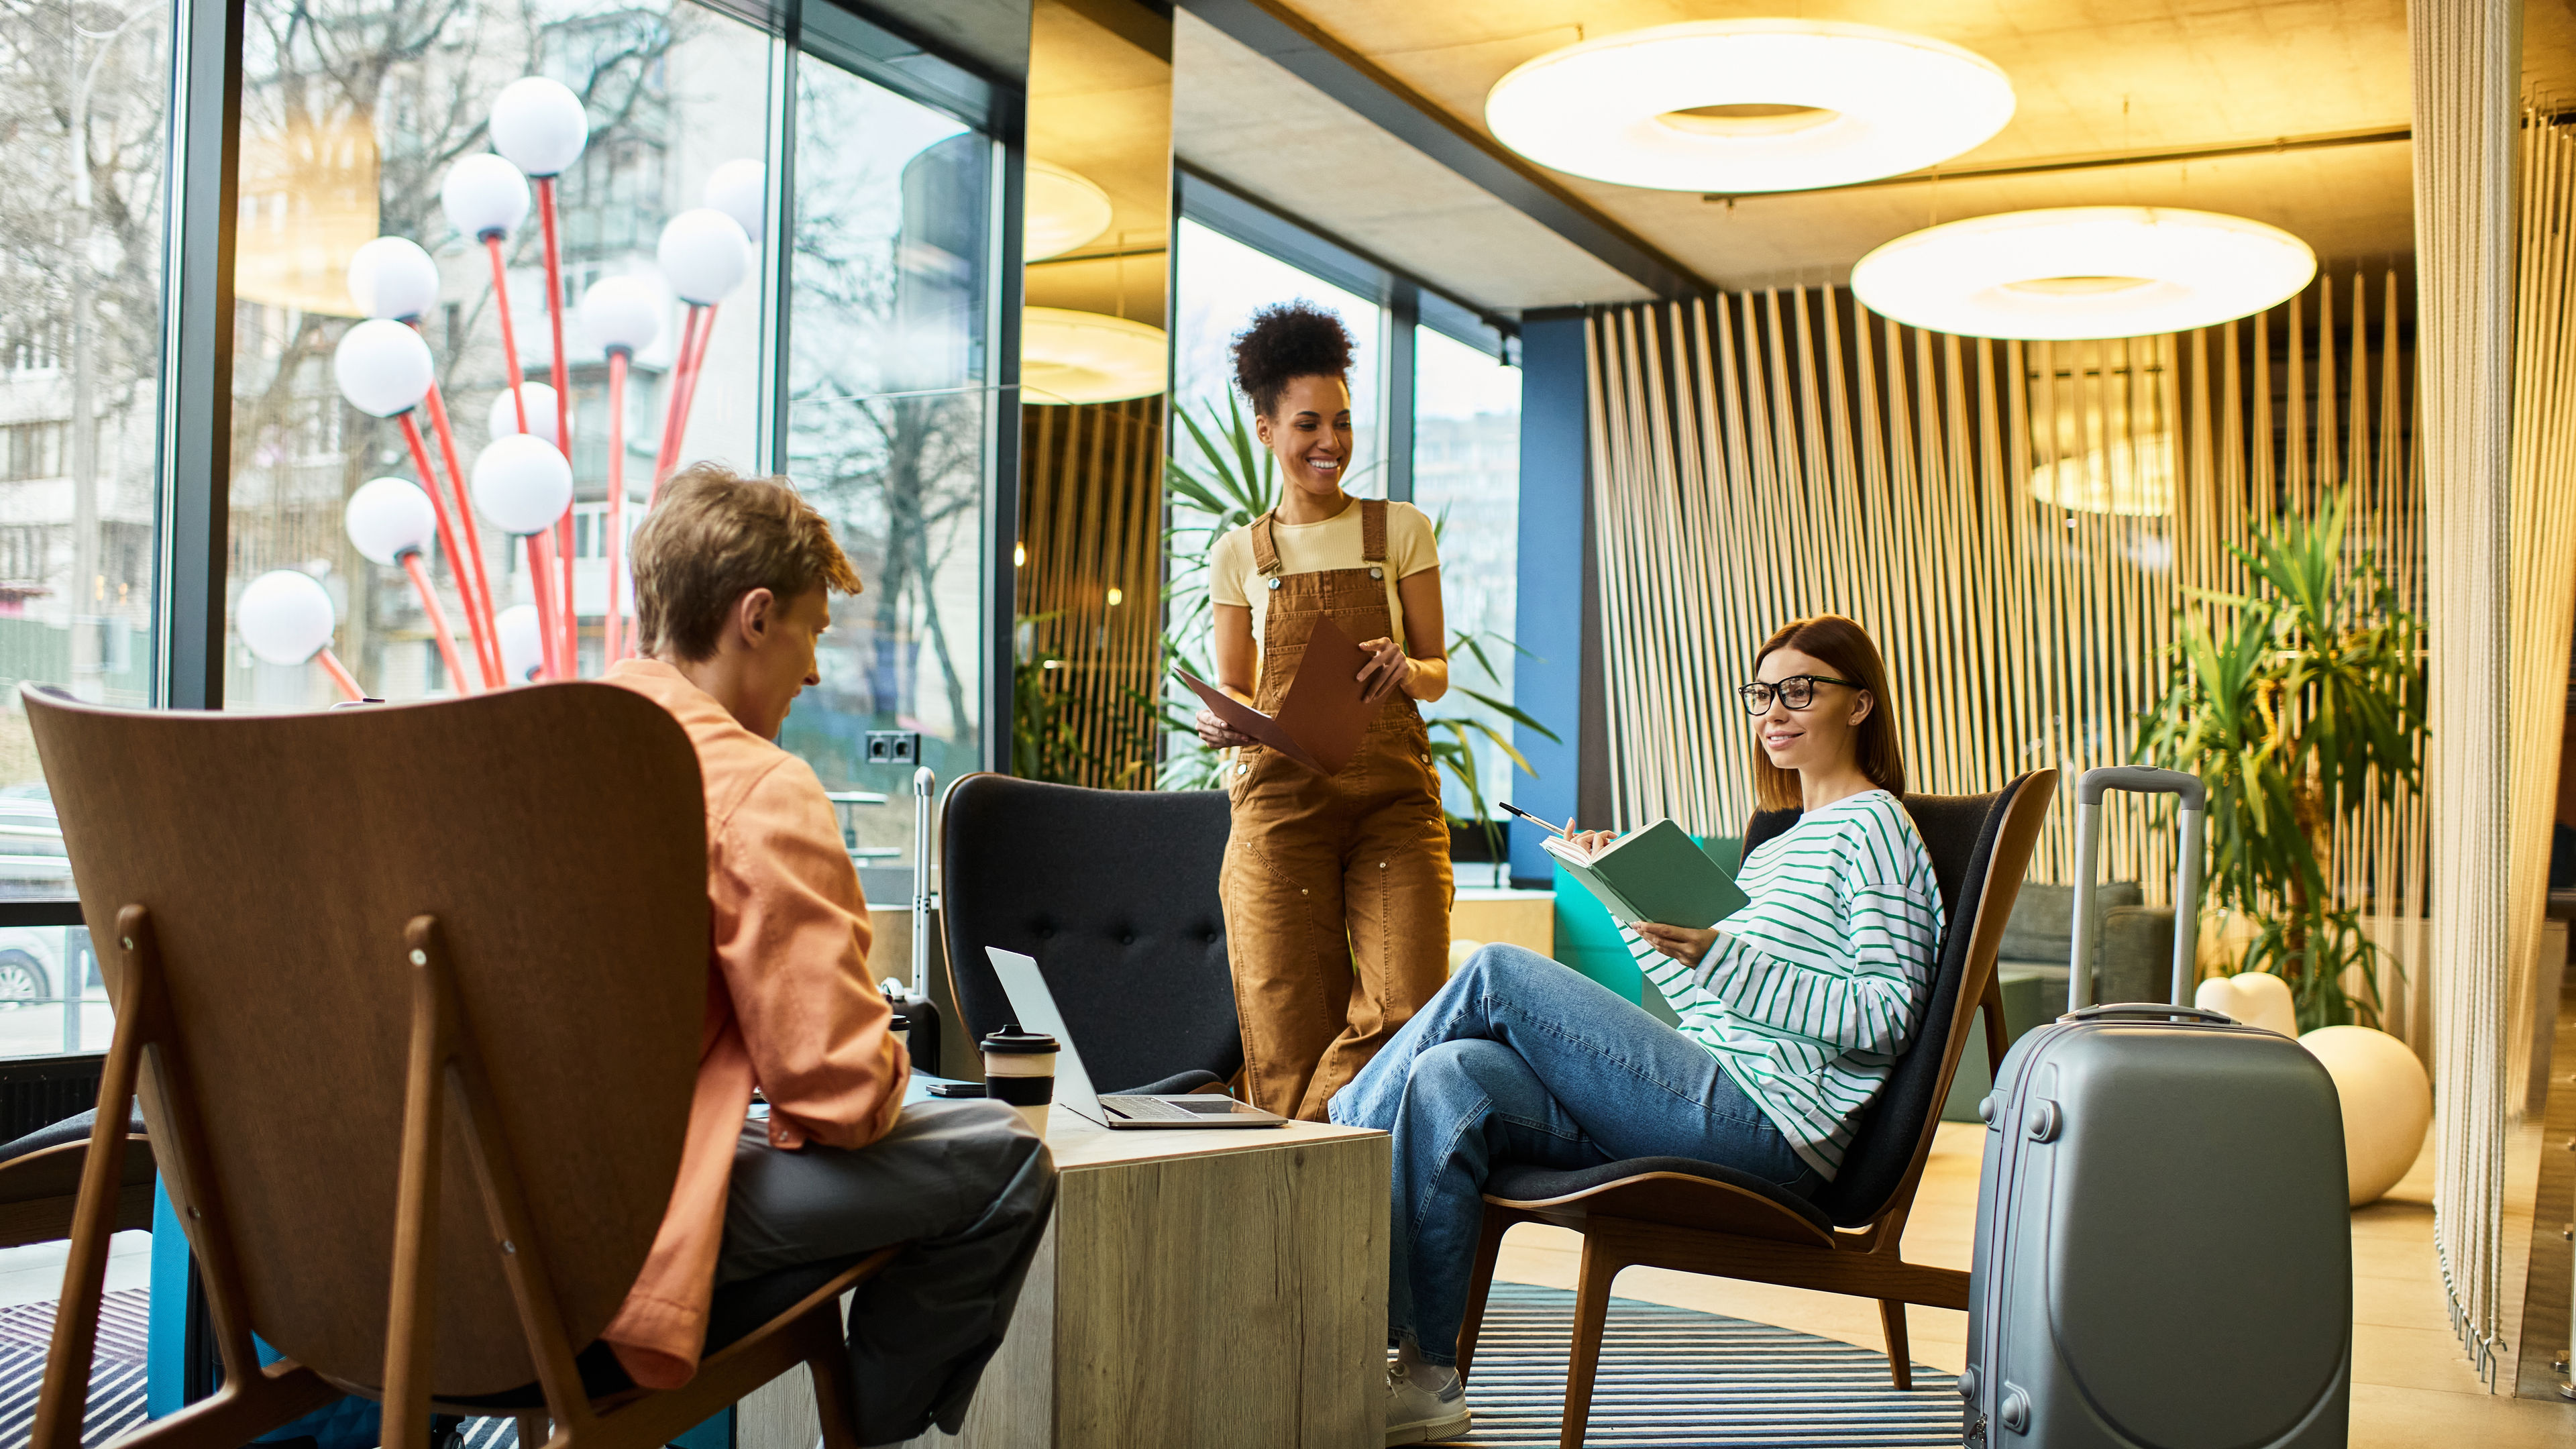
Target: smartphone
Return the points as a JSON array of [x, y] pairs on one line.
[[1555, 830]]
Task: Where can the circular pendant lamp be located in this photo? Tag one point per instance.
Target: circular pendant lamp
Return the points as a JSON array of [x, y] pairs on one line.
[[1089, 357], [1063, 210], [2079, 272], [1736, 106]]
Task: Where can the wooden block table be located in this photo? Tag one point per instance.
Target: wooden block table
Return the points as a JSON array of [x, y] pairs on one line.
[[1194, 1289]]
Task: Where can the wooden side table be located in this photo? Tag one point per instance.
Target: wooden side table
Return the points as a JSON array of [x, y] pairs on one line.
[[1195, 1288]]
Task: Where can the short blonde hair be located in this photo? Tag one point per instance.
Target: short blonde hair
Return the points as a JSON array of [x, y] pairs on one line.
[[714, 536]]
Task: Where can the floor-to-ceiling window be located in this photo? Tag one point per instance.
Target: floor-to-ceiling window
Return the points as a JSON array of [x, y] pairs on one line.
[[890, 429], [84, 104], [355, 122], [1467, 476]]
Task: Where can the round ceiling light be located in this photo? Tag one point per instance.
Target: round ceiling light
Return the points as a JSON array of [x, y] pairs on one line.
[[2083, 272], [1749, 105], [1089, 357], [1064, 209]]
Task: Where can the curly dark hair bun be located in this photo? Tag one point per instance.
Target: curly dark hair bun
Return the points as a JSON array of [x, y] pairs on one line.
[[1288, 340]]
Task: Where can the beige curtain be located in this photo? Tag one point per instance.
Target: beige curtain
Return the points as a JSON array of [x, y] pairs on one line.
[[2544, 561], [2467, 55], [2016, 523]]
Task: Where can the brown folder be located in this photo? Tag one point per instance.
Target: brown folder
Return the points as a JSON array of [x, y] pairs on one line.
[[1322, 716]]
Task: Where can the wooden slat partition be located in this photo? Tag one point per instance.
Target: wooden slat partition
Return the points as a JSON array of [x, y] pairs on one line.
[[1091, 513], [1764, 456]]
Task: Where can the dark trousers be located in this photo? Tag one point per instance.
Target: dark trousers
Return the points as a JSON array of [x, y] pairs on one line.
[[966, 1184]]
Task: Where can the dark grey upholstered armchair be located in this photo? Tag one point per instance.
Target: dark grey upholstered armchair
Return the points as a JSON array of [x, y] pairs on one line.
[[1115, 893], [1700, 1217]]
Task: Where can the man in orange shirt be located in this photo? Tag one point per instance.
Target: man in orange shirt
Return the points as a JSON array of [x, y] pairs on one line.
[[733, 578]]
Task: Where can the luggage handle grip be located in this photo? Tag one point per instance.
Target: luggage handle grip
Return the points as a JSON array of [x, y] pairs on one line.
[[2150, 1011], [2140, 780]]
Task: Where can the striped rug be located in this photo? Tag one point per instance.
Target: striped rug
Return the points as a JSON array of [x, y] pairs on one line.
[[115, 1372], [1676, 1378], [1671, 1378]]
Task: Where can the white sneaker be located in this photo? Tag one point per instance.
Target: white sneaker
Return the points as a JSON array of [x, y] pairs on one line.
[[1415, 1415]]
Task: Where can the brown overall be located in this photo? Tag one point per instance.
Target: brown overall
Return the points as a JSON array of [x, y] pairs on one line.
[[1336, 888]]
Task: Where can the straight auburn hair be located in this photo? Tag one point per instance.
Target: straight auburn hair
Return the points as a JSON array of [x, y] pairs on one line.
[[1843, 647]]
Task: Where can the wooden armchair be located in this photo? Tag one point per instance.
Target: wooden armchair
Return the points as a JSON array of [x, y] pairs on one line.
[[1700, 1217], [412, 998]]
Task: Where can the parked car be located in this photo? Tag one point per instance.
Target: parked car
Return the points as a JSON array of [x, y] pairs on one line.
[[33, 866]]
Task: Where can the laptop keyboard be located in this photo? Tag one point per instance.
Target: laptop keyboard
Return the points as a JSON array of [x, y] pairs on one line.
[[1167, 1109]]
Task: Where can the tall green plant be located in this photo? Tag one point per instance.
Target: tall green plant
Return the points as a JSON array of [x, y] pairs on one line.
[[1235, 482], [2296, 705]]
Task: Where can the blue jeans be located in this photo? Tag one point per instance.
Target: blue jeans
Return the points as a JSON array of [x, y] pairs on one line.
[[1520, 1059]]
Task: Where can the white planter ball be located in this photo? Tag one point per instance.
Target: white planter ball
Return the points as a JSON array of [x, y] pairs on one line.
[[2256, 998], [523, 647], [389, 517], [484, 195], [503, 420], [622, 312], [284, 616], [382, 367], [740, 189], [392, 277], [522, 483], [2387, 1104], [539, 124], [704, 255]]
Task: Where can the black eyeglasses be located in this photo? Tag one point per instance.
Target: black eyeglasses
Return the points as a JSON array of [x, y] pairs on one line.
[[1797, 691]]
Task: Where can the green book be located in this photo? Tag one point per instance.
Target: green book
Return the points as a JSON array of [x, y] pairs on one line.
[[1657, 874]]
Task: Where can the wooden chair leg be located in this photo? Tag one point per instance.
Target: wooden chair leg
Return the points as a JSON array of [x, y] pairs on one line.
[[1900, 1358], [835, 1392], [534, 1429], [1480, 1282], [1583, 1355]]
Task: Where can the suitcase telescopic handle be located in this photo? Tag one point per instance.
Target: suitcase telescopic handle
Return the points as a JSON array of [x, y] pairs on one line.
[[2149, 1011], [2090, 787]]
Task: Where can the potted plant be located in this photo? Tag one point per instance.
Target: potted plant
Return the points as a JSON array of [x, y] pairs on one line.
[[2296, 705]]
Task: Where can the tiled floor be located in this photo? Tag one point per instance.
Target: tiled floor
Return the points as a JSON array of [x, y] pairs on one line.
[[2412, 1387]]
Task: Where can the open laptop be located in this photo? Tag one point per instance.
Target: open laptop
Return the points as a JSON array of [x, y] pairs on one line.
[[1034, 1006]]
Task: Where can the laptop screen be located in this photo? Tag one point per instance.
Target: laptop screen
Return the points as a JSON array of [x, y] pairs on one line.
[[1034, 1006]]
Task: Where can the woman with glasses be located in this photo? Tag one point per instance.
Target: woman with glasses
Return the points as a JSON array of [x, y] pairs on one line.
[[1793, 1010]]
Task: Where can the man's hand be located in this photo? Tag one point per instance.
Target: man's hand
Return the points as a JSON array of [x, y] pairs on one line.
[[1679, 942]]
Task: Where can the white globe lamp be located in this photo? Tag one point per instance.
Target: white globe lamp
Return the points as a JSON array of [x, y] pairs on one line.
[[740, 189], [539, 124], [503, 420], [522, 483], [484, 196], [523, 645], [284, 617], [2256, 998], [704, 254], [392, 277], [621, 314], [383, 368], [388, 518], [2387, 1104]]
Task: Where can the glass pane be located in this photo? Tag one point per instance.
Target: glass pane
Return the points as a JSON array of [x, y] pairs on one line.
[[1467, 476], [887, 434], [1222, 282], [80, 353], [353, 118]]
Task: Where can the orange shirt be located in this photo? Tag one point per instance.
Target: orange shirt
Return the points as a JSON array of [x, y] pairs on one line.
[[790, 1009]]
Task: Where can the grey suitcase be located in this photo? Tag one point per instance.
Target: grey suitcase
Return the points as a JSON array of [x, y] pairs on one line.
[[2163, 1253]]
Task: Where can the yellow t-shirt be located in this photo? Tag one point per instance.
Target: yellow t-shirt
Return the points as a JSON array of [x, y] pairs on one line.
[[1306, 548]]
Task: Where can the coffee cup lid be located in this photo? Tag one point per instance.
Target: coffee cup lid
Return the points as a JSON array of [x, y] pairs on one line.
[[1019, 1043]]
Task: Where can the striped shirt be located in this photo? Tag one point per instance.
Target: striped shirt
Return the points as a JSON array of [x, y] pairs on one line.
[[1814, 988]]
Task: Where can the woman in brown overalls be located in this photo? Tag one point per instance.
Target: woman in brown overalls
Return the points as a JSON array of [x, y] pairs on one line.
[[1336, 888]]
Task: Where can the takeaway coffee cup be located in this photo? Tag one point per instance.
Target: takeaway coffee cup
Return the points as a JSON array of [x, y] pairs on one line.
[[1019, 1068]]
